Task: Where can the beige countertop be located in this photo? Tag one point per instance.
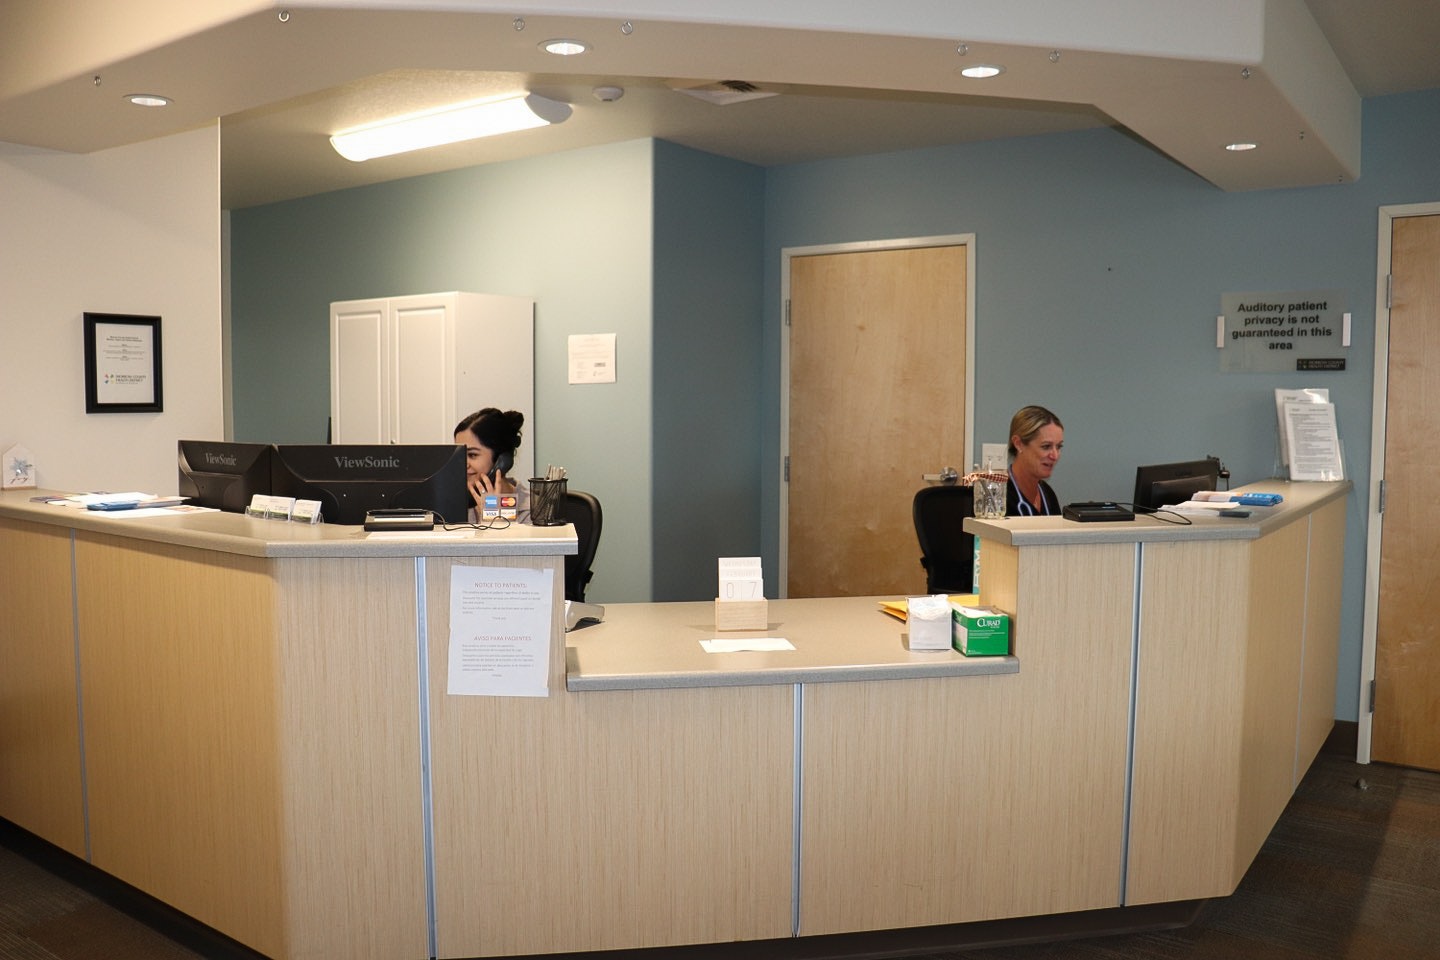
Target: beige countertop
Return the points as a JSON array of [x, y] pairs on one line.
[[247, 536], [1300, 500], [657, 645]]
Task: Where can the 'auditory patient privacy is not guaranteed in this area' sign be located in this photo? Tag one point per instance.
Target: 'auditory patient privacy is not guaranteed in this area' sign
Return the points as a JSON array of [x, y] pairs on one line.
[[1282, 330]]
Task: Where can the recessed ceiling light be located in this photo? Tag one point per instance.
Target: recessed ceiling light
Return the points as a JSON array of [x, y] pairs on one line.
[[148, 99], [982, 70], [564, 48], [1241, 145]]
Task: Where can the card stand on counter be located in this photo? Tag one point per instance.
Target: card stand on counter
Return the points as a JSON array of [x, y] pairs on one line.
[[740, 603], [264, 507], [742, 614]]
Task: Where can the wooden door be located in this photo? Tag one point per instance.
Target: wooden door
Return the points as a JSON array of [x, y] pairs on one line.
[[1406, 723], [877, 399]]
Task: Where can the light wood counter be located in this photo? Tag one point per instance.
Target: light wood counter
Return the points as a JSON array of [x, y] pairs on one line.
[[248, 536], [1300, 499], [1235, 639], [249, 720], [657, 645], [40, 776], [226, 713]]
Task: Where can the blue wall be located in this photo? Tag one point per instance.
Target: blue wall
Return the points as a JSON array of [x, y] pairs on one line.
[[654, 242], [708, 283], [572, 230], [1100, 266]]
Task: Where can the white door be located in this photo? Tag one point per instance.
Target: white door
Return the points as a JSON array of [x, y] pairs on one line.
[[423, 405], [358, 380]]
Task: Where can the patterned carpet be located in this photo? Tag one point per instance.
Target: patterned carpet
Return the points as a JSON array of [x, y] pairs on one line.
[[1347, 874]]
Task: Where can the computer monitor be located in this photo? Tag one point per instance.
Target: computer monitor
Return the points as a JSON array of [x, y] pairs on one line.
[[351, 479], [1161, 484], [214, 473]]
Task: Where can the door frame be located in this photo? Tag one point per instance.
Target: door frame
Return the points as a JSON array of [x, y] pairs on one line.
[[863, 246], [1375, 520]]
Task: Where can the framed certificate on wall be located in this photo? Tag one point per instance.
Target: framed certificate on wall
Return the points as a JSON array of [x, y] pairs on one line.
[[122, 364]]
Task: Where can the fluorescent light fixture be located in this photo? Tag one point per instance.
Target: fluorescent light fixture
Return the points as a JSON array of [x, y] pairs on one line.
[[148, 99], [982, 70], [564, 48], [450, 124], [1240, 146]]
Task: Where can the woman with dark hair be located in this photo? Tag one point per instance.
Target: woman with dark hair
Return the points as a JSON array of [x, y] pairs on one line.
[[1036, 437], [491, 437]]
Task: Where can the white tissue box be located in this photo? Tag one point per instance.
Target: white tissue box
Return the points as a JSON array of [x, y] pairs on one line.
[[929, 621]]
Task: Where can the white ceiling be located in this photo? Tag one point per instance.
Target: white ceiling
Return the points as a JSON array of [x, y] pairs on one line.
[[281, 81]]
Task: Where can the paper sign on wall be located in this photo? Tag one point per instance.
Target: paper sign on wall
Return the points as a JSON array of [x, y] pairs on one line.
[[592, 358], [499, 631]]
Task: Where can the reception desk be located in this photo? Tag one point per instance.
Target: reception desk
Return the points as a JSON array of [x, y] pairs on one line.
[[249, 721], [1232, 628], [229, 713]]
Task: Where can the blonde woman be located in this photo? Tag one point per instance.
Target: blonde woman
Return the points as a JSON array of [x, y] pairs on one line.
[[1036, 439]]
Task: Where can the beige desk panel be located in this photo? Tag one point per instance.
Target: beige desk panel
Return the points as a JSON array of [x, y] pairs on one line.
[[1216, 711], [1272, 687], [349, 759], [40, 770], [592, 821], [1188, 718], [969, 798], [178, 677], [1322, 632]]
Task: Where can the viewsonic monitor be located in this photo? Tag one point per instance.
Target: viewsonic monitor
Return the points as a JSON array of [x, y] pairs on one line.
[[223, 475], [1161, 484], [351, 479]]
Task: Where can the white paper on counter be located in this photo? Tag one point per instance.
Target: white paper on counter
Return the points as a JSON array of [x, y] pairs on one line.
[[499, 632], [762, 644]]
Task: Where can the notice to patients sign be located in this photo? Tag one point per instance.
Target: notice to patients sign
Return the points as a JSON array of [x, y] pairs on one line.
[[1282, 330]]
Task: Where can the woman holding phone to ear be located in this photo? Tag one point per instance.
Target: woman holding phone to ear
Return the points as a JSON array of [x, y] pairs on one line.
[[491, 437]]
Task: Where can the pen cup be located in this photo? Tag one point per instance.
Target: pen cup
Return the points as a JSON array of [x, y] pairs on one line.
[[547, 502], [989, 496]]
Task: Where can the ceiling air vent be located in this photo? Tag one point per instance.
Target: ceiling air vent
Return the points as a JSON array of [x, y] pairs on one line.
[[724, 92]]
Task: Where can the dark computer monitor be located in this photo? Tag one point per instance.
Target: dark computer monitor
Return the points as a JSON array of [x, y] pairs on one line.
[[351, 479], [223, 475], [1161, 484]]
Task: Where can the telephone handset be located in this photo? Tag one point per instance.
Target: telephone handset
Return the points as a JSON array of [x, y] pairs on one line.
[[504, 463]]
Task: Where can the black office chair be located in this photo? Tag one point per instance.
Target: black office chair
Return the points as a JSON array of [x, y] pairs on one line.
[[947, 552], [583, 510]]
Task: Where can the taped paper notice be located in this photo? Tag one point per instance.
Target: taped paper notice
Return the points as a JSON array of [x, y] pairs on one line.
[[499, 632]]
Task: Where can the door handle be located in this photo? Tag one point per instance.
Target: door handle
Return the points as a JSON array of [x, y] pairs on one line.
[[947, 476]]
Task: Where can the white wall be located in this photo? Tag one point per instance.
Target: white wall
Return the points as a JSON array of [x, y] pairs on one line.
[[130, 230]]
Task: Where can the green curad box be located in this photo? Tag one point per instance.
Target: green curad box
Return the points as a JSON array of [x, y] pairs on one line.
[[980, 631]]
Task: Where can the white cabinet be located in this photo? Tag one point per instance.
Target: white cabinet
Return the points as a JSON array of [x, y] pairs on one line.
[[407, 369]]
